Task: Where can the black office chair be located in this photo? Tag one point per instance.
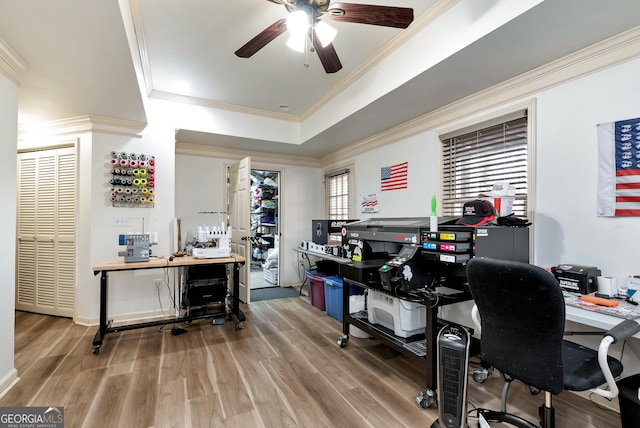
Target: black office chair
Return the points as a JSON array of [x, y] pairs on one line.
[[522, 317]]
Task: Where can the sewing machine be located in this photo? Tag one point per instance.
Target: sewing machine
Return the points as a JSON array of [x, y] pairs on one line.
[[212, 242], [138, 246]]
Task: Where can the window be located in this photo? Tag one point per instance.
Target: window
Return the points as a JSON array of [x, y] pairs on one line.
[[473, 161], [336, 190]]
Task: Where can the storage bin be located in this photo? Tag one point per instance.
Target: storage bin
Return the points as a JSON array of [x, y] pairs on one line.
[[316, 290], [271, 275], [333, 296]]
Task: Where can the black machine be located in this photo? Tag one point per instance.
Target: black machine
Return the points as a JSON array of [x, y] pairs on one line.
[[204, 286], [577, 278], [405, 259], [453, 357], [405, 271], [403, 254]]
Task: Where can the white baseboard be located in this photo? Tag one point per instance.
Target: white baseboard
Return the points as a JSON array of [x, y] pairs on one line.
[[128, 318], [8, 382]]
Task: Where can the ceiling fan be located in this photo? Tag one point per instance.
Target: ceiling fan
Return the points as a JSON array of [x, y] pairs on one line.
[[314, 10]]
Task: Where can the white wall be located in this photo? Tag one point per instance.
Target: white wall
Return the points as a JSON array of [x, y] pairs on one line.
[[131, 294], [565, 226], [200, 187], [8, 142], [301, 200], [415, 201], [568, 229]]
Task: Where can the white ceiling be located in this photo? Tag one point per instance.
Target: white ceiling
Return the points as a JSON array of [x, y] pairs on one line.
[[80, 61]]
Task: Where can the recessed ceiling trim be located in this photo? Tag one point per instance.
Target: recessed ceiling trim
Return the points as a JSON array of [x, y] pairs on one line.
[[185, 99], [141, 42], [607, 53], [81, 124], [235, 154], [428, 17], [11, 65]]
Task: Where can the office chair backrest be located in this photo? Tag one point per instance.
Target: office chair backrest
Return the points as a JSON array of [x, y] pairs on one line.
[[522, 316]]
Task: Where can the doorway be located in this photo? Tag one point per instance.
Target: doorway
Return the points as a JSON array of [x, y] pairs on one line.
[[265, 228]]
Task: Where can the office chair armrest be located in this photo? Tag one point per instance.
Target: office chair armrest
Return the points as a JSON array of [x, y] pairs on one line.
[[475, 316], [624, 330], [603, 353], [620, 332]]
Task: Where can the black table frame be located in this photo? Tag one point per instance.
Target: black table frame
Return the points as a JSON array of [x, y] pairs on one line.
[[106, 327]]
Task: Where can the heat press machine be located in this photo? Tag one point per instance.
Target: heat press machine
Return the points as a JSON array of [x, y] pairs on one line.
[[213, 242]]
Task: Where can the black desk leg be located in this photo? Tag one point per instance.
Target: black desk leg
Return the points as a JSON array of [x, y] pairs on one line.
[[431, 337], [235, 305], [428, 397], [102, 329]]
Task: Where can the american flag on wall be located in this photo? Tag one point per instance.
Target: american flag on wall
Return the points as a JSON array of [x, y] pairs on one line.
[[394, 177], [619, 168]]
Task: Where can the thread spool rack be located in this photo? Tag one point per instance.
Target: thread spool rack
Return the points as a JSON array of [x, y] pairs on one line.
[[131, 180]]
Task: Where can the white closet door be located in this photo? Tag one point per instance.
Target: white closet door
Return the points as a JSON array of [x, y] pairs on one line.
[[46, 232]]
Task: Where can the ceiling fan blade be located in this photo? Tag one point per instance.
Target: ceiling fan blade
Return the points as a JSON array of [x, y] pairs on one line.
[[328, 56], [262, 39], [386, 16]]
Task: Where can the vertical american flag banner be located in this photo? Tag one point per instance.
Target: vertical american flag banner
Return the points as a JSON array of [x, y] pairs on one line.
[[394, 177], [619, 168]]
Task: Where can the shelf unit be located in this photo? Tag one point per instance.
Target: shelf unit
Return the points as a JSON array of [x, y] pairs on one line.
[[420, 348], [264, 214], [446, 251]]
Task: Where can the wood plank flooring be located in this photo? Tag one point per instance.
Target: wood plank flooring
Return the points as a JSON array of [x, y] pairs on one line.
[[284, 369]]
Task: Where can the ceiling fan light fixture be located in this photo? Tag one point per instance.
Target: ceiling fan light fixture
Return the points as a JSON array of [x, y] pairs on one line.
[[325, 33], [298, 22], [297, 42]]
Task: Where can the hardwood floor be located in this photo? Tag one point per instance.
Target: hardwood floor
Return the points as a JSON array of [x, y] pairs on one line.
[[284, 369]]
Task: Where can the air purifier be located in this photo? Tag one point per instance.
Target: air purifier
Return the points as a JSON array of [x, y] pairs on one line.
[[453, 357]]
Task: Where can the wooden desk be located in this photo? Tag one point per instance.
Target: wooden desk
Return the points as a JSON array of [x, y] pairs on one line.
[[115, 265], [600, 317]]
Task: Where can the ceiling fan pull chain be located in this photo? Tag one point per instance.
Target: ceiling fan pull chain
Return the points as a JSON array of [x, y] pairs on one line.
[[306, 51]]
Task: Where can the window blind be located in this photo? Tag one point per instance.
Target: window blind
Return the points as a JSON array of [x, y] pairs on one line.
[[472, 162], [336, 185]]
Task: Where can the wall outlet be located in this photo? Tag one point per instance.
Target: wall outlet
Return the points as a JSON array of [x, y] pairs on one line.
[[120, 221]]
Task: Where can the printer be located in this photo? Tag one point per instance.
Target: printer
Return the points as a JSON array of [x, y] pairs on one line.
[[577, 278]]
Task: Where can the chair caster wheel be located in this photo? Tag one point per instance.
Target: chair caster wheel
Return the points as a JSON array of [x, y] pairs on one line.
[[95, 350], [240, 325], [426, 399], [480, 375], [344, 339]]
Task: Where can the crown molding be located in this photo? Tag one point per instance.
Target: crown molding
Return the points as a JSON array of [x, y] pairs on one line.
[[184, 99], [11, 65], [418, 25], [237, 154], [607, 53], [141, 43], [423, 21], [80, 124]]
